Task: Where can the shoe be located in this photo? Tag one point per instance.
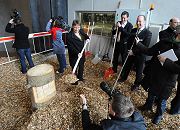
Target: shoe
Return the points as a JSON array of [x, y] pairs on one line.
[[24, 72], [145, 108], [157, 119], [83, 80], [121, 80], [174, 113], [134, 87], [76, 83]]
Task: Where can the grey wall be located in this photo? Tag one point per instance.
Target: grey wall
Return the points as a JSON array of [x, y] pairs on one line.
[[6, 6], [41, 12], [164, 9]]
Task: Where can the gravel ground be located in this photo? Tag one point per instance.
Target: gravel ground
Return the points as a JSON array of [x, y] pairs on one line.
[[64, 112]]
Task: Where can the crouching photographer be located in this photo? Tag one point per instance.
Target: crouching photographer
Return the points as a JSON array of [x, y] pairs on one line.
[[121, 113]]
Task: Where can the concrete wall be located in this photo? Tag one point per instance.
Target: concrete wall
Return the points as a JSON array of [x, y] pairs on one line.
[[164, 9]]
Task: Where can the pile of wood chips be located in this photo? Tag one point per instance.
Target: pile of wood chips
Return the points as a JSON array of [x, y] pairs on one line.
[[64, 112]]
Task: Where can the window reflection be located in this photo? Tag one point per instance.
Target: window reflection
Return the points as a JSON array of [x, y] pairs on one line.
[[103, 22]]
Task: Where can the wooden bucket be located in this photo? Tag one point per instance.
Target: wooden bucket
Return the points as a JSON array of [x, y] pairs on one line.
[[41, 80]]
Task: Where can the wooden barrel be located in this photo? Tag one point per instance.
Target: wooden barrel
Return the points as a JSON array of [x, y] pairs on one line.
[[41, 80]]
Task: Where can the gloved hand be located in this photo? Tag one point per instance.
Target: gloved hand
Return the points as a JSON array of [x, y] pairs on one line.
[[130, 52], [118, 24], [87, 41], [50, 20], [83, 98], [11, 21], [138, 40], [79, 55]]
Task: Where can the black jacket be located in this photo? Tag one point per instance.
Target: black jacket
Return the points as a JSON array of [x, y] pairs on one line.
[[74, 44], [167, 34], [160, 80], [21, 35], [125, 32], [145, 35], [135, 122]]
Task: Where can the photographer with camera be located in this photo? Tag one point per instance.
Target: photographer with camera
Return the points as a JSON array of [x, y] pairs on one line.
[[58, 43], [121, 112], [21, 43]]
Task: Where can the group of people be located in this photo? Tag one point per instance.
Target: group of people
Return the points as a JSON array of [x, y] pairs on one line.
[[75, 42], [160, 74], [132, 44], [157, 76]]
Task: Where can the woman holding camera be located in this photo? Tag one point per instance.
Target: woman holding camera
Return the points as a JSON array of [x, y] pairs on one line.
[[58, 44]]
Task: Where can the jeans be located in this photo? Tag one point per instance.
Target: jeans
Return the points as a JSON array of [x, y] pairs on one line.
[[22, 53], [62, 62], [161, 104]]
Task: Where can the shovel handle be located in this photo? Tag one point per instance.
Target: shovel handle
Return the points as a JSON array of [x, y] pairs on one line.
[[79, 57]]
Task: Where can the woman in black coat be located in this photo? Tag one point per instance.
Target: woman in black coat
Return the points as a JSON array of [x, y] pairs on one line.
[[75, 43], [158, 80]]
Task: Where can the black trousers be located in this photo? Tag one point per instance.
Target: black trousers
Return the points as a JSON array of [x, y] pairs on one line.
[[80, 68], [120, 50], [138, 63], [175, 103]]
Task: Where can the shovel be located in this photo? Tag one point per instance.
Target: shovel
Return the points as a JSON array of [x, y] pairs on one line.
[[98, 57], [108, 73], [71, 78], [88, 53]]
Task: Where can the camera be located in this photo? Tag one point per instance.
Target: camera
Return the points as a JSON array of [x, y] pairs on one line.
[[61, 21], [15, 16], [108, 90]]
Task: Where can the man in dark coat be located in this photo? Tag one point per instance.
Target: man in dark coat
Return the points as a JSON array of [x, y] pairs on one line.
[[21, 42], [167, 34], [137, 58], [123, 32], [159, 80], [75, 44], [170, 31], [121, 111]]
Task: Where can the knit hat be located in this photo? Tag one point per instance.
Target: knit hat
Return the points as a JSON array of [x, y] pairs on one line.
[[122, 106]]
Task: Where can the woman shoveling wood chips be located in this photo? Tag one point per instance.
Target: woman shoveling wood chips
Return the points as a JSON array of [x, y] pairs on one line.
[[76, 43]]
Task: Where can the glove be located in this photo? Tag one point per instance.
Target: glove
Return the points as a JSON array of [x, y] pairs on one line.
[[11, 21], [79, 55], [130, 52], [87, 41], [118, 24], [50, 20]]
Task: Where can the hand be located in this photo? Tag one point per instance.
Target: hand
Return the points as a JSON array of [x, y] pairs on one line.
[[137, 40], [11, 21], [87, 41], [130, 52], [118, 24], [50, 20], [83, 98], [161, 58], [79, 55]]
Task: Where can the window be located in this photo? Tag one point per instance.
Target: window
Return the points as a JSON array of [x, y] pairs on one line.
[[103, 22]]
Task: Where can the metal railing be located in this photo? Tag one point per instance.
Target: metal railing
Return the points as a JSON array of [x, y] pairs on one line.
[[39, 42]]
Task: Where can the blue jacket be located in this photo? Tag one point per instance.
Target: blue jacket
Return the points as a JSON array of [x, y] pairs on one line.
[[135, 122], [58, 44]]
